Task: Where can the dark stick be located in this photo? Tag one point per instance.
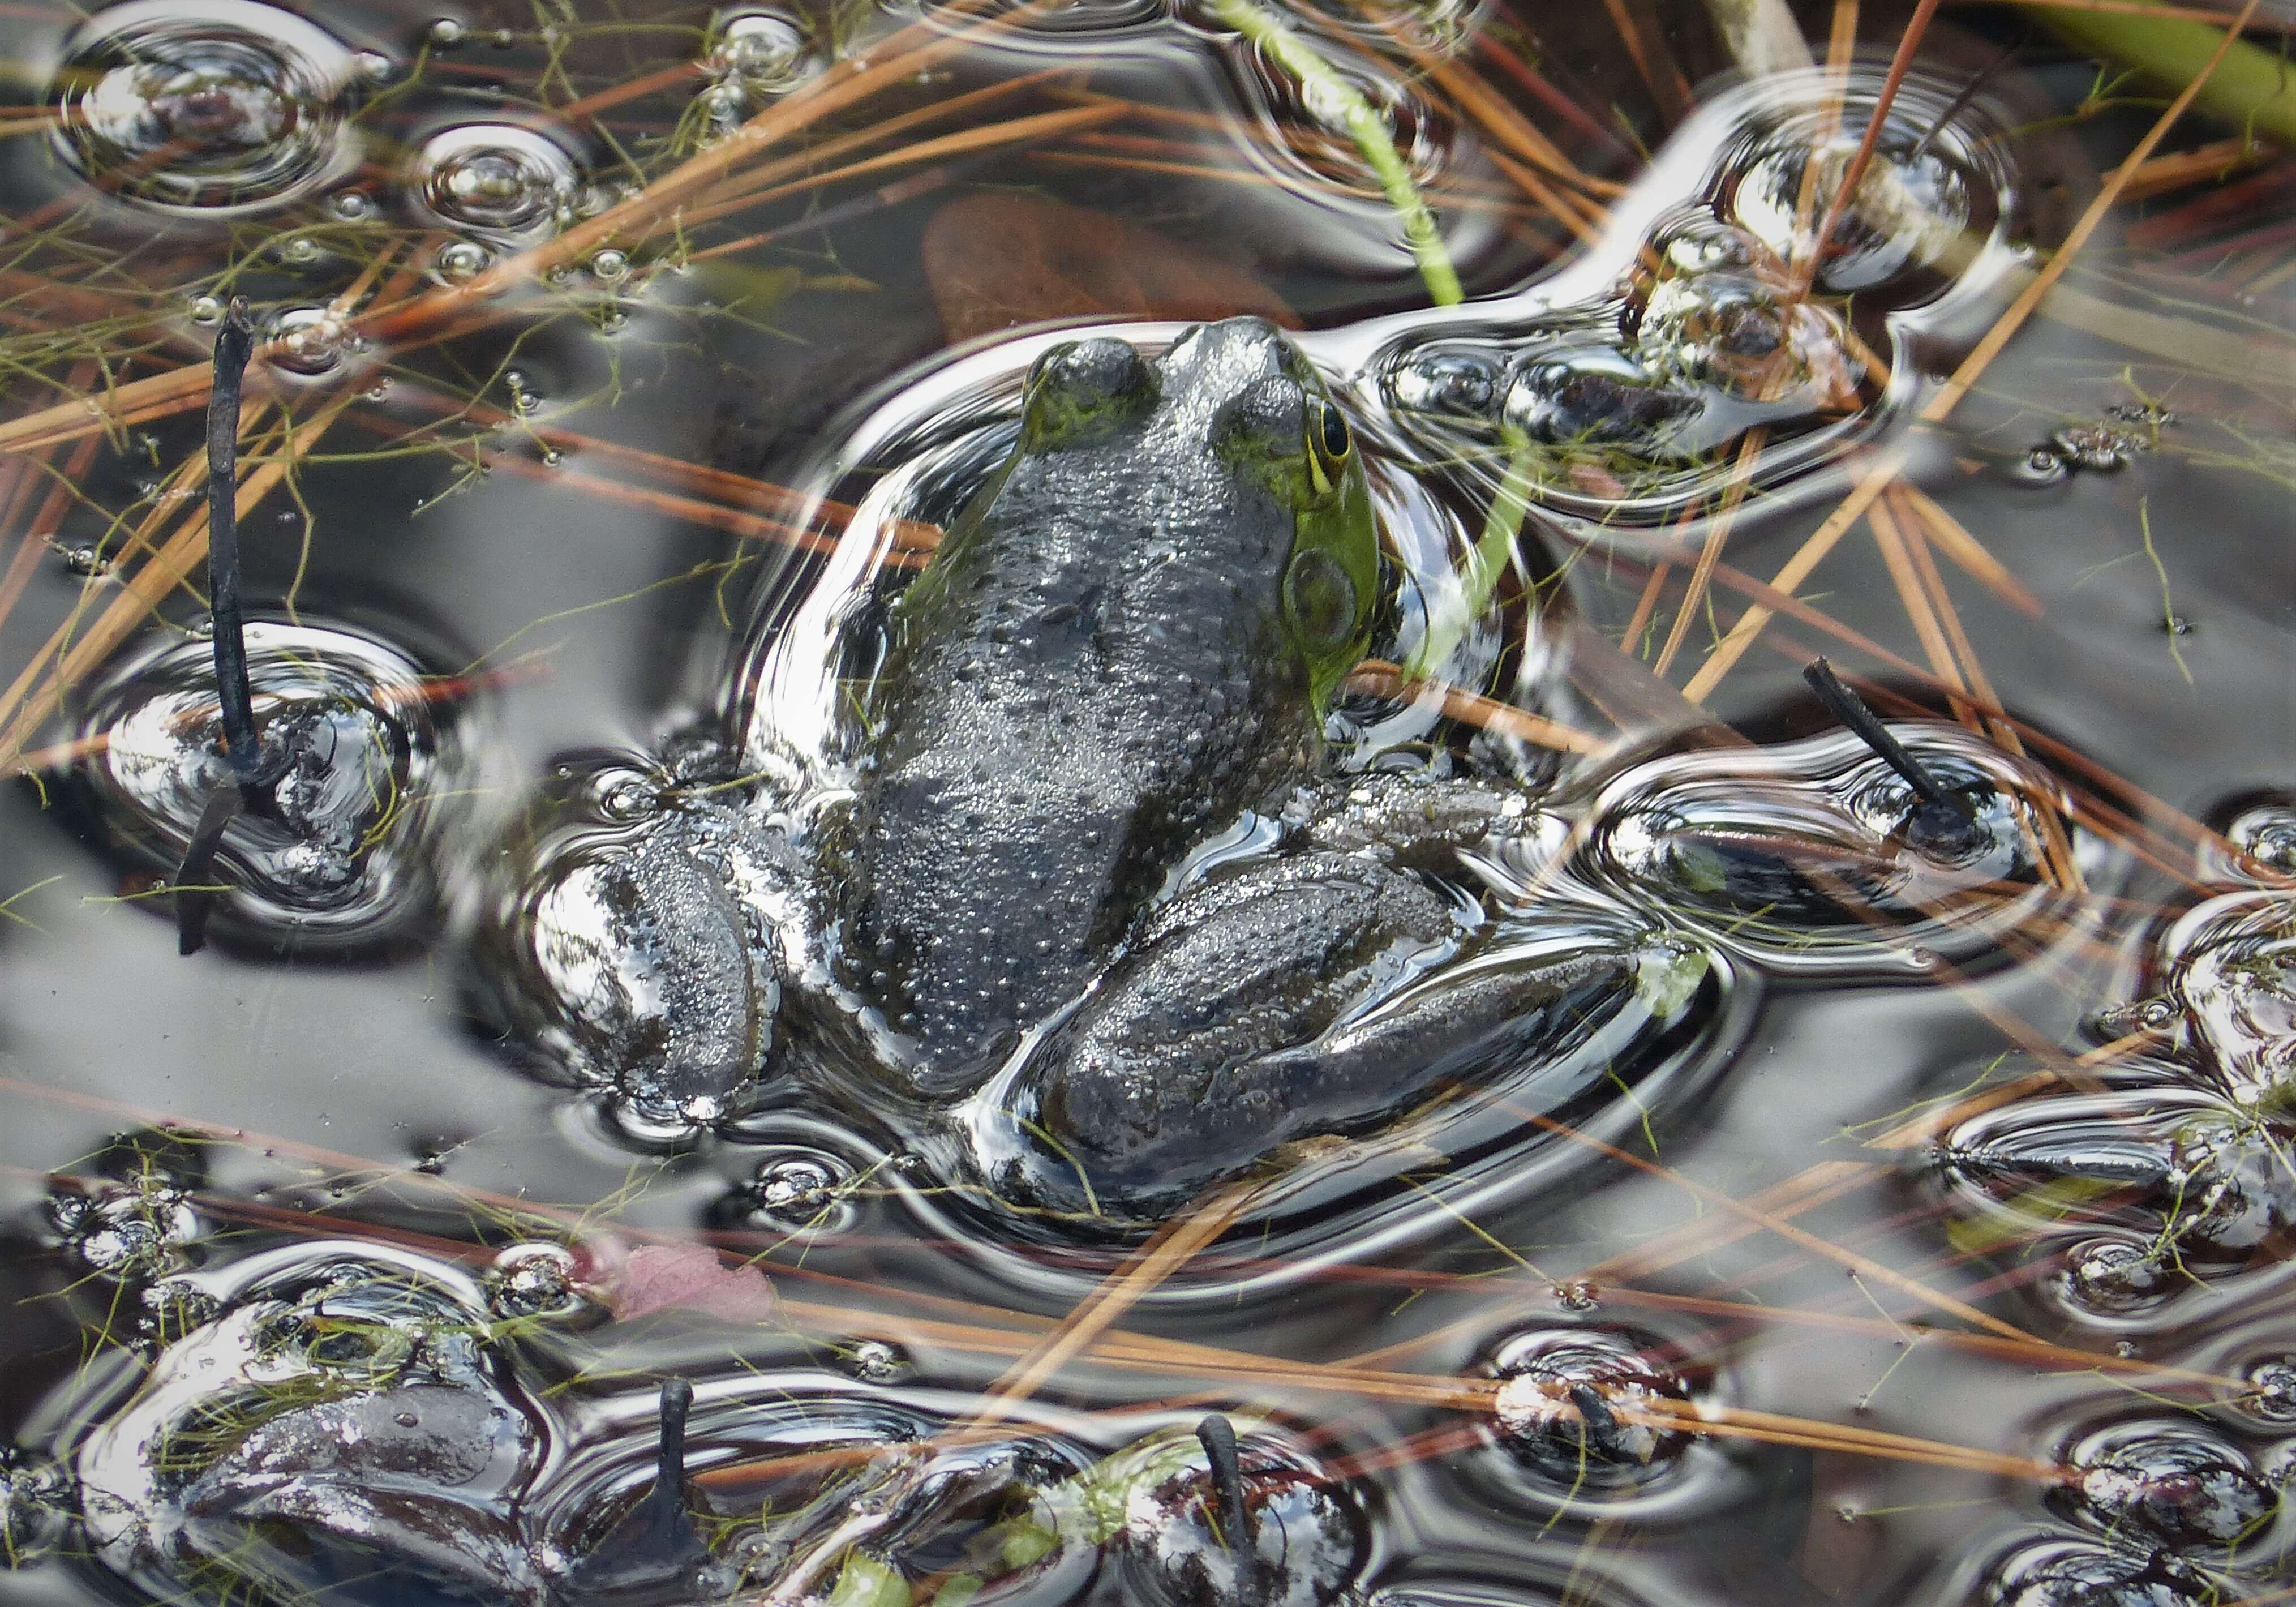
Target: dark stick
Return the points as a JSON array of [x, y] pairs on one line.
[[1594, 1415], [1217, 1435], [192, 899], [234, 342], [1851, 711], [667, 1498]]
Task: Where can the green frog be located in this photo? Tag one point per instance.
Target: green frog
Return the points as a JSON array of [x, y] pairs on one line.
[[1121, 659]]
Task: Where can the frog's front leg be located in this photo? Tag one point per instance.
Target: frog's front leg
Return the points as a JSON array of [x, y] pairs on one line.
[[1323, 992], [633, 941]]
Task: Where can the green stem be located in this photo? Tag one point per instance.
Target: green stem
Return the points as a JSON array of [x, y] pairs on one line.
[[1370, 132], [1478, 578], [2252, 88]]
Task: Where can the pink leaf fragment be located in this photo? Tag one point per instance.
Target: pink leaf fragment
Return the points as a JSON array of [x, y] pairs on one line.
[[684, 1277]]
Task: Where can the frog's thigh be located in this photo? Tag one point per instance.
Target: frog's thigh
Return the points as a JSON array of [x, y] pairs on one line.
[[1295, 1000]]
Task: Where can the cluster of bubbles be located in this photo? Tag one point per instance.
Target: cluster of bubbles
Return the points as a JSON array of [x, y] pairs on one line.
[[228, 107], [344, 855], [2101, 446], [1625, 387], [2173, 1176], [134, 1222], [756, 55], [2165, 1182]]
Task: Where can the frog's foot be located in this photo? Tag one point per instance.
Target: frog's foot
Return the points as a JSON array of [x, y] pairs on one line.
[[1318, 994], [635, 946]]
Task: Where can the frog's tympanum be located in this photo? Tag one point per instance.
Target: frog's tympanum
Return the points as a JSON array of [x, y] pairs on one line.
[[356, 1430], [1077, 877]]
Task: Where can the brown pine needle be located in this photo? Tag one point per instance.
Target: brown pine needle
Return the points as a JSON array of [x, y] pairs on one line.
[[1863, 1265], [1383, 679], [1899, 563], [1968, 554], [1718, 533], [1795, 571]]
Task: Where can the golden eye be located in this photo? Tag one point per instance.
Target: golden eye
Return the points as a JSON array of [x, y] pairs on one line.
[[1328, 444]]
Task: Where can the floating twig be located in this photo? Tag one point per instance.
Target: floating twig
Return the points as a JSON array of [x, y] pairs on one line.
[[1850, 709], [234, 342]]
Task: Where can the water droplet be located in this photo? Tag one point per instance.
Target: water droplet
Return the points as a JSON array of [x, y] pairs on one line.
[[214, 106], [309, 340], [503, 181], [462, 259], [448, 32], [205, 309], [376, 66]]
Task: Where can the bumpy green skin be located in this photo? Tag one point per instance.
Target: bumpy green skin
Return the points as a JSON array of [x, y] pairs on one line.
[[1127, 641]]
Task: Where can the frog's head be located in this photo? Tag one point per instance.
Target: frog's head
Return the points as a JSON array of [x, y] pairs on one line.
[[1235, 411]]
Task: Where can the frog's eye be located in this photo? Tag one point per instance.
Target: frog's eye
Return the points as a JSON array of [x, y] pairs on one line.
[[1078, 384], [1329, 443], [1321, 599]]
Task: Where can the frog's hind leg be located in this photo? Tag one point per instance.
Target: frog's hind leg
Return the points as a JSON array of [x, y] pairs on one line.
[[1320, 993]]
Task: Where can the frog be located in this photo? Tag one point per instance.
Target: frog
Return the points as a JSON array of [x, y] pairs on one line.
[[349, 1431], [353, 1426], [1025, 905]]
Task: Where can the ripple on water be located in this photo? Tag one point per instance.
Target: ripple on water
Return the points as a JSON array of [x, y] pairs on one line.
[[1814, 856], [343, 856], [2177, 1482], [213, 106]]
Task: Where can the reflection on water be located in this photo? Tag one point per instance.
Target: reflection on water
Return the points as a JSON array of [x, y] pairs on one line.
[[832, 847]]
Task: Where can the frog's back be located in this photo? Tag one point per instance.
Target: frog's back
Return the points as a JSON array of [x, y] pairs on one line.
[[1095, 678]]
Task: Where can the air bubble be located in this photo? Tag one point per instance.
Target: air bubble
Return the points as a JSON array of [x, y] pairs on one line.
[[309, 340], [215, 106], [609, 266], [504, 182], [34, 1502], [877, 1362], [205, 309], [448, 32], [462, 260], [534, 1280]]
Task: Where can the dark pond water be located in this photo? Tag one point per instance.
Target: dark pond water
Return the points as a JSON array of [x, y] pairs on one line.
[[1100, 1097]]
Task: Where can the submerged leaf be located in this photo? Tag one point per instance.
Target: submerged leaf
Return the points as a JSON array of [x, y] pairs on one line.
[[686, 1277], [995, 261]]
